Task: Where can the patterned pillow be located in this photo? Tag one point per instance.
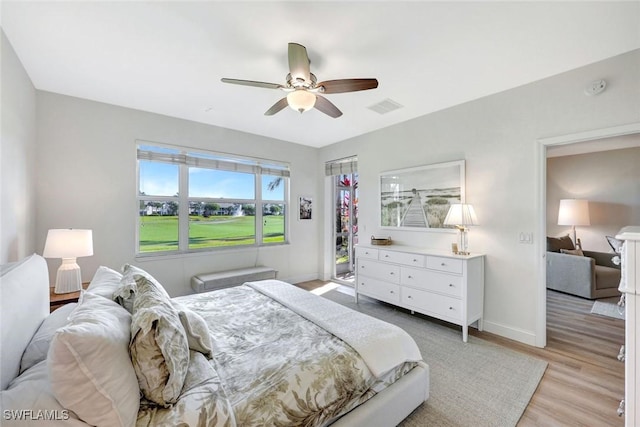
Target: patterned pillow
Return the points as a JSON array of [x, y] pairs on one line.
[[554, 244], [126, 292], [196, 328], [159, 347], [615, 244]]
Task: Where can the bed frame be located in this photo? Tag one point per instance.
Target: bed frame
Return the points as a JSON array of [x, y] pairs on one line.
[[25, 301]]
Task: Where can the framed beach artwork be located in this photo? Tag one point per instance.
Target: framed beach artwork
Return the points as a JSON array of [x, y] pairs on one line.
[[306, 208], [419, 198]]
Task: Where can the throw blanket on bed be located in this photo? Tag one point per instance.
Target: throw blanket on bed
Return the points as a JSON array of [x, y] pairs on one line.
[[389, 347]]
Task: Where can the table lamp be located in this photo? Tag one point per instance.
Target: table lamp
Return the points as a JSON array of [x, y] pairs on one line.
[[461, 215], [68, 244]]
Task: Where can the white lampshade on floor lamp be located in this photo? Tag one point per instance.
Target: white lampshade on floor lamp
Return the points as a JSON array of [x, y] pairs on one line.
[[68, 244], [461, 215], [574, 212]]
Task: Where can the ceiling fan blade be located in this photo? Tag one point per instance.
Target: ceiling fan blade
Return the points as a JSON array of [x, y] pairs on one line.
[[277, 107], [299, 62], [252, 83], [325, 106], [348, 85]]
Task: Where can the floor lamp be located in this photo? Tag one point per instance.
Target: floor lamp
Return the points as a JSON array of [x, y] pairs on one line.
[[574, 212]]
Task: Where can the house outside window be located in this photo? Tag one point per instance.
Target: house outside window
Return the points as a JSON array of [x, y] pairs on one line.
[[191, 201]]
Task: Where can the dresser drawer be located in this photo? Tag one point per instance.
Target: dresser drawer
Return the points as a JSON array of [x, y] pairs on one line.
[[433, 304], [449, 284], [448, 265], [404, 258], [379, 270], [378, 289], [364, 252]]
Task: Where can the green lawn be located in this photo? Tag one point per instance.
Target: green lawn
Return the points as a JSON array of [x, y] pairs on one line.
[[160, 233]]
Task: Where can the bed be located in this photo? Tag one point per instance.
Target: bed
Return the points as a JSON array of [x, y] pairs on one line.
[[264, 353]]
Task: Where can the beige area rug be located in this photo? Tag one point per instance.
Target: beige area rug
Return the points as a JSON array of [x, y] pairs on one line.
[[608, 307], [473, 384]]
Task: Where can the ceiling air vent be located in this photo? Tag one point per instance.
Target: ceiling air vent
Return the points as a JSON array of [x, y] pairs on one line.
[[384, 107]]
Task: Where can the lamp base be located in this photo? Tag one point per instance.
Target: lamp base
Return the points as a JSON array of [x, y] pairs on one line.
[[464, 242], [68, 277]]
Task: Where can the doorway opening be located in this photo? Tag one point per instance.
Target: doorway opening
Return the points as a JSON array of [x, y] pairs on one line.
[[345, 230], [593, 137]]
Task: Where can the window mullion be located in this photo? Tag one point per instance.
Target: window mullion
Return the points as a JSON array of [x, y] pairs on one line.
[[258, 204], [183, 208]]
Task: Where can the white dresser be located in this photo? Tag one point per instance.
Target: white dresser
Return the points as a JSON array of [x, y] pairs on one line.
[[439, 284], [630, 286]]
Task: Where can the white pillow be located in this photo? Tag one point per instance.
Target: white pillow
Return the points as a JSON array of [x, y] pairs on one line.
[[89, 366], [38, 348], [105, 282]]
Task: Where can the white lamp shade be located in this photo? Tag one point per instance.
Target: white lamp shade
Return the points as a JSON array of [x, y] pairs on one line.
[[461, 214], [574, 212], [301, 100], [68, 243]]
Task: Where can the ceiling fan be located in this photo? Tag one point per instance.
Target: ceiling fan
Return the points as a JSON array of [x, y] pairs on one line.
[[303, 88]]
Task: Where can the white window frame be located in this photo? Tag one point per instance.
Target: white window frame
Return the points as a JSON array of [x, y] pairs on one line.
[[217, 161]]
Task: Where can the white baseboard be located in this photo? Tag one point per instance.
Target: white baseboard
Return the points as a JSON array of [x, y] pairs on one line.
[[521, 335]]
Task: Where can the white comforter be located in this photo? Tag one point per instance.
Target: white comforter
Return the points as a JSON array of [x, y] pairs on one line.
[[389, 347]]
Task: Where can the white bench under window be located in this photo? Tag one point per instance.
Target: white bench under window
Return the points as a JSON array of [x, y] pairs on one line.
[[206, 282]]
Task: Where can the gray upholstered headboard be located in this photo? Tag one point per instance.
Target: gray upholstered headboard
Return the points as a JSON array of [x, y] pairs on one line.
[[24, 303]]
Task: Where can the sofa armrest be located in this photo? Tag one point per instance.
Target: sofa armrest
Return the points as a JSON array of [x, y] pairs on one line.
[[602, 258], [572, 274]]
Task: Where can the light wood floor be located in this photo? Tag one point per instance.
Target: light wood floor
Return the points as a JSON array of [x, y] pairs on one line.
[[584, 381]]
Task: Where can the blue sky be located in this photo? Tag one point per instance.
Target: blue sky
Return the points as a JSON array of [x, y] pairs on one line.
[[161, 179]]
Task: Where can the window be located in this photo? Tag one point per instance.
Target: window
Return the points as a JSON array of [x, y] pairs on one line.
[[193, 201]]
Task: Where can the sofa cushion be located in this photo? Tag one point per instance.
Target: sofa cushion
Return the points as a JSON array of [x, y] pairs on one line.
[[607, 277], [554, 244], [577, 252]]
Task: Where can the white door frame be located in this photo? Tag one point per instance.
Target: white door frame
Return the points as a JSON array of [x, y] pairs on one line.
[[543, 143]]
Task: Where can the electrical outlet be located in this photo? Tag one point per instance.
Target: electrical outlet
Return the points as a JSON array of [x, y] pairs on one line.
[[525, 238]]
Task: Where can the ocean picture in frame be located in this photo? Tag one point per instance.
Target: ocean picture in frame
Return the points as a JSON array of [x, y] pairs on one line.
[[419, 198]]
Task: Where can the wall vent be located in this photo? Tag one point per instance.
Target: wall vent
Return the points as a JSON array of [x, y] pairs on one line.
[[385, 106]]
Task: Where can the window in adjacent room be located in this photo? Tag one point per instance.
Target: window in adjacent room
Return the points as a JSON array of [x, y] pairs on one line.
[[193, 200]]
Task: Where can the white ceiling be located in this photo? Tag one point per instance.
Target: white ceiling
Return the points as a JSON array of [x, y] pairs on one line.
[[168, 57]]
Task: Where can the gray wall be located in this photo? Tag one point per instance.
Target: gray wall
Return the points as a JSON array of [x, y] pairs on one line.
[[610, 180], [17, 157], [87, 165], [498, 137]]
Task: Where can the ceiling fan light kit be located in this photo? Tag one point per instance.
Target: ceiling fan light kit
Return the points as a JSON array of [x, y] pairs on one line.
[[303, 89], [301, 100]]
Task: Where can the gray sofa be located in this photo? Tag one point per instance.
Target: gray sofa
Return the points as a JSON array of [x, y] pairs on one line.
[[591, 276]]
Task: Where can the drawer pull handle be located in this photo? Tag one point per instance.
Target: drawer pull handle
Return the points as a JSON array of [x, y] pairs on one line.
[[450, 308], [451, 285], [386, 256], [410, 277], [442, 264], [391, 273], [415, 260], [409, 296], [391, 291]]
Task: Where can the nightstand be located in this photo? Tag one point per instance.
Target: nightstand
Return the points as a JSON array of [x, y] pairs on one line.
[[58, 300]]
